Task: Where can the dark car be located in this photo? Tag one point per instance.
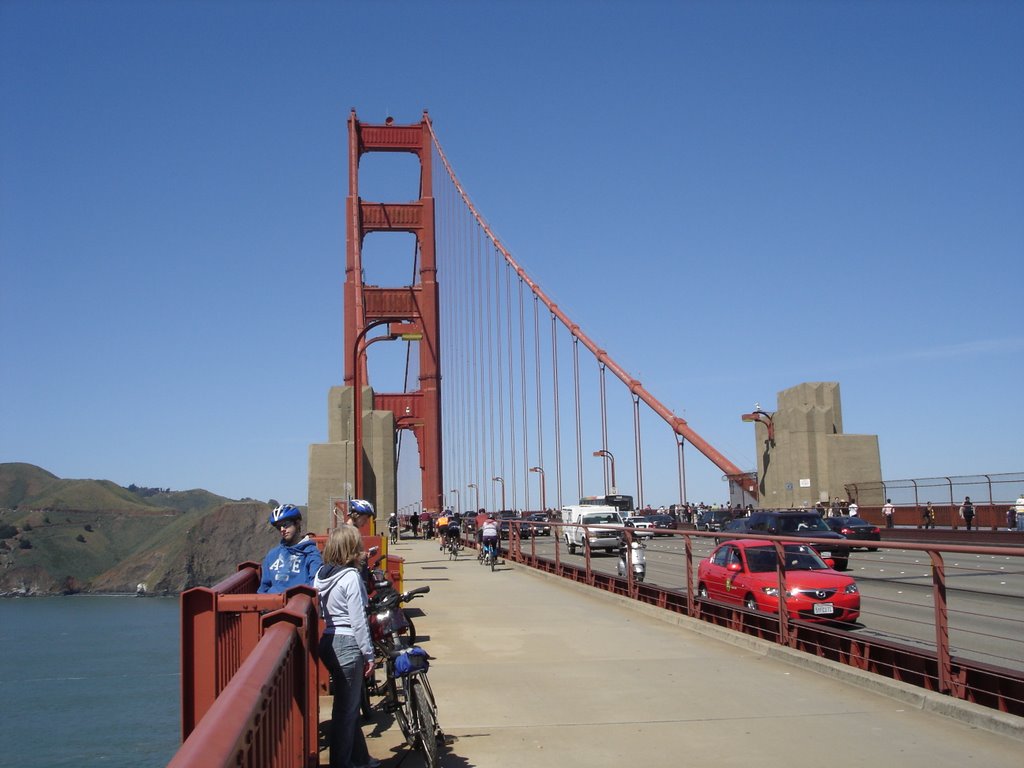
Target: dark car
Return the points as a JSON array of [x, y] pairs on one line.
[[801, 523], [537, 525], [503, 522], [855, 528], [662, 523], [713, 519], [736, 525]]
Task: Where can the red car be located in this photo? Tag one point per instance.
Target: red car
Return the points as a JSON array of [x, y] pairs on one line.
[[744, 573]]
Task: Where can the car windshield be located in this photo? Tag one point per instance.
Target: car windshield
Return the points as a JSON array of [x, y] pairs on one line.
[[801, 524], [599, 519], [798, 558], [856, 522]]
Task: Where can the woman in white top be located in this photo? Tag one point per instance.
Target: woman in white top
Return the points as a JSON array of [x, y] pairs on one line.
[[345, 647]]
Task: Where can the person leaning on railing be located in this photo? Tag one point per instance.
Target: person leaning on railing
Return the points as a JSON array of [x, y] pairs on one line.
[[295, 559], [346, 647]]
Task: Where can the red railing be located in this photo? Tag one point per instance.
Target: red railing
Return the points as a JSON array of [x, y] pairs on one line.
[[250, 679], [235, 642]]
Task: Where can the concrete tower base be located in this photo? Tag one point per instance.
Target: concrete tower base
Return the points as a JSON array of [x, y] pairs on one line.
[[331, 465], [810, 459]]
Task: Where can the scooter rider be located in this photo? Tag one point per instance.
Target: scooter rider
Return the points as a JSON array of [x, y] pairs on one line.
[[636, 559]]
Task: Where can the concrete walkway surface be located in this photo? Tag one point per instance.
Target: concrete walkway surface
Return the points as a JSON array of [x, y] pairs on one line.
[[532, 670]]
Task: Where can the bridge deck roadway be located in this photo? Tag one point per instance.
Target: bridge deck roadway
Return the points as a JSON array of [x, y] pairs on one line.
[[533, 670]]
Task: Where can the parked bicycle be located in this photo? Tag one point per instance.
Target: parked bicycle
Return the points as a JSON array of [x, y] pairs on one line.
[[406, 689]]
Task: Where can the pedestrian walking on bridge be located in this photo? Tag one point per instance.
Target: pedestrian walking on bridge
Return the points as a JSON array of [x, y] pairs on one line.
[[888, 510], [967, 512]]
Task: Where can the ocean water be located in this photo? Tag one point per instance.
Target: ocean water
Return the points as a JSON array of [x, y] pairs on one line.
[[89, 681]]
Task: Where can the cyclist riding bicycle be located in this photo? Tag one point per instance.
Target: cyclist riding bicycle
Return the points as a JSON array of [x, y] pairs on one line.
[[442, 528], [489, 533], [454, 531], [393, 526]]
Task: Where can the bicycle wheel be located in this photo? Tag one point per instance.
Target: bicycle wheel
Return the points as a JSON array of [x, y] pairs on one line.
[[427, 724], [365, 708]]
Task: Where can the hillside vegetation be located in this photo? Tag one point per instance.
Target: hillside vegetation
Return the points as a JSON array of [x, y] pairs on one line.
[[62, 536]]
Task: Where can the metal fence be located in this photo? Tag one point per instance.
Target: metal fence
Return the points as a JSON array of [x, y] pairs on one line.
[[991, 494]]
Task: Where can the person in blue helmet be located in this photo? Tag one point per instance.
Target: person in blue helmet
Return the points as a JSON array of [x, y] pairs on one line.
[[295, 559]]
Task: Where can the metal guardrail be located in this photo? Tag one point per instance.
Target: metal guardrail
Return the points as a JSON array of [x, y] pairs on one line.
[[930, 666], [268, 712], [992, 495], [235, 641]]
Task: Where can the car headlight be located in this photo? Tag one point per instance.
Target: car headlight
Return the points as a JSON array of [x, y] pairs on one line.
[[851, 589], [771, 591]]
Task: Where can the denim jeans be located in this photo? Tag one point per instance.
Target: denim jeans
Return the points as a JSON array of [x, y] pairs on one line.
[[344, 660]]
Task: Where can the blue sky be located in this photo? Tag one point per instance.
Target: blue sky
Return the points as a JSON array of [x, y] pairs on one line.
[[731, 198]]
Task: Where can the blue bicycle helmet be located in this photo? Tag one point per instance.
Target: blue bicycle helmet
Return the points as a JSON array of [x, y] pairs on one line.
[[285, 512], [360, 507]]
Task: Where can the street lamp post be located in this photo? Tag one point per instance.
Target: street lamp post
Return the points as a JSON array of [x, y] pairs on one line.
[[458, 501], [407, 331], [502, 481], [611, 460], [476, 494], [543, 498]]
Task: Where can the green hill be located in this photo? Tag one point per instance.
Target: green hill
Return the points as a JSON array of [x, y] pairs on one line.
[[59, 535]]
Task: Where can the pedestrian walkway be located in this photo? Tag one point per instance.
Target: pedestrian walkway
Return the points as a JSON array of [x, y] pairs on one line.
[[532, 670]]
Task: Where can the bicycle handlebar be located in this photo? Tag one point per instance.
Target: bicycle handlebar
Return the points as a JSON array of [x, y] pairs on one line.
[[415, 593]]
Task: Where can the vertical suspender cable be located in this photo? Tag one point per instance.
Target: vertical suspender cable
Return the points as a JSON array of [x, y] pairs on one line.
[[478, 341], [682, 470], [540, 409], [604, 423], [500, 358], [522, 388], [511, 375], [490, 360], [638, 451], [579, 436], [467, 436], [557, 417]]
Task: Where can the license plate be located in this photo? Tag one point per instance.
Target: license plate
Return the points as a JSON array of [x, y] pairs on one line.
[[823, 609], [825, 554]]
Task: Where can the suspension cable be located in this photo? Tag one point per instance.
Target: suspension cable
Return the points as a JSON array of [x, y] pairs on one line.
[[678, 424]]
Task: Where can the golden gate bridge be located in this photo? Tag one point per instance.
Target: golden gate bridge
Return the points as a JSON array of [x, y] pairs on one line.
[[500, 387], [498, 398]]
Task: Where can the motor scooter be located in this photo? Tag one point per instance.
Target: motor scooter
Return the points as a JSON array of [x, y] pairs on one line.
[[637, 557]]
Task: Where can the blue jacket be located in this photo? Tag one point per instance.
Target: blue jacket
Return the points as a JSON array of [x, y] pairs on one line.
[[285, 567]]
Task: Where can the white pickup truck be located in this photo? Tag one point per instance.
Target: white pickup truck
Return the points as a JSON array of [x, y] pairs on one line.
[[593, 538]]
